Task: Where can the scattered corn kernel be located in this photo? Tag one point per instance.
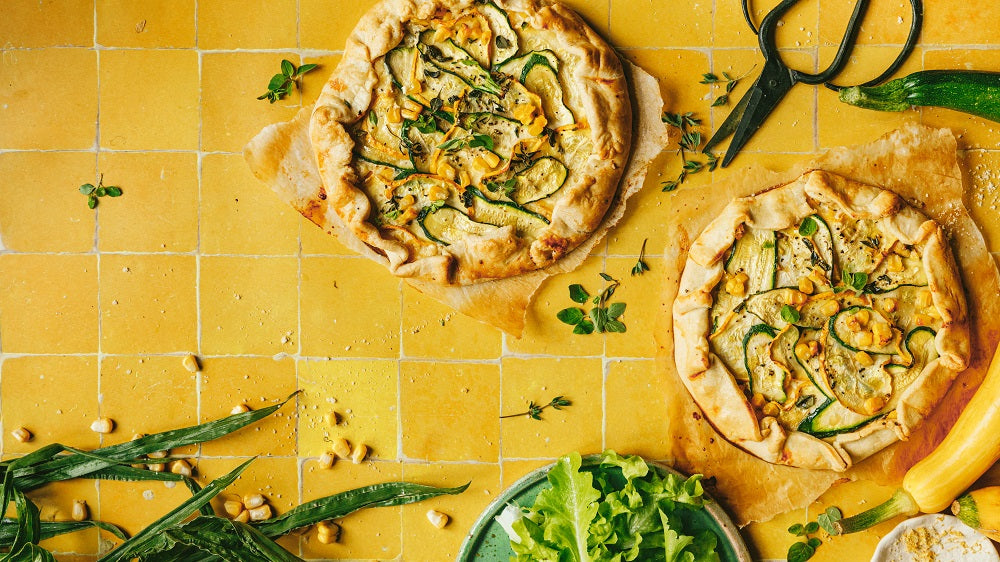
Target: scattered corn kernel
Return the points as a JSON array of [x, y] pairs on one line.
[[440, 34], [894, 263], [806, 286], [408, 215], [359, 453], [408, 114], [233, 507], [251, 501], [863, 316], [924, 299], [464, 179], [890, 304], [771, 409], [180, 466], [864, 339], [325, 461], [736, 287], [261, 513], [445, 170], [327, 532], [157, 455], [864, 359], [190, 363], [422, 99], [22, 435], [802, 350], [240, 409], [331, 418], [341, 448], [874, 404], [394, 115], [830, 308], [407, 201], [881, 333], [524, 113], [103, 425], [243, 517], [813, 347], [492, 159], [437, 518], [794, 297], [757, 400], [922, 319], [80, 510], [156, 467], [436, 193], [412, 105]]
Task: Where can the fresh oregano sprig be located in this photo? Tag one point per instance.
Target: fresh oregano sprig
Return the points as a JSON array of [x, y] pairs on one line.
[[640, 266], [603, 317], [690, 142], [804, 549], [535, 410], [283, 83], [100, 190], [727, 79]]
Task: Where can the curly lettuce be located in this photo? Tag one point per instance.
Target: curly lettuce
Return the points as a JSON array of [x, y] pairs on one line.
[[615, 511]]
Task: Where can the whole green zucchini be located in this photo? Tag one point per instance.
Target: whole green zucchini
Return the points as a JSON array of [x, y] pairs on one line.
[[968, 91]]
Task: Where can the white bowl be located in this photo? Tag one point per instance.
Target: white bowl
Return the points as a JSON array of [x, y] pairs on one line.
[[942, 538]]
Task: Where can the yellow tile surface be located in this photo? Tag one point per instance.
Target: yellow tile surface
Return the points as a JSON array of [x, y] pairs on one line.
[[367, 534], [235, 219], [165, 181], [134, 386], [43, 314], [99, 307], [577, 427], [255, 382], [29, 23], [247, 305], [148, 304], [231, 114], [151, 23], [63, 117], [341, 284], [58, 408], [450, 411], [236, 24], [362, 394], [149, 114], [49, 220]]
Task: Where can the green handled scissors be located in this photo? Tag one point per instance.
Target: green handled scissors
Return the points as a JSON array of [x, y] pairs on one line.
[[776, 78]]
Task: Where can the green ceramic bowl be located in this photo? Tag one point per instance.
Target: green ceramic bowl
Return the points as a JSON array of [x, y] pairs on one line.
[[488, 542]]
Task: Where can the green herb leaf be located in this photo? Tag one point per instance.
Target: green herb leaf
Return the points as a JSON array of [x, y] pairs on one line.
[[828, 518], [615, 326], [814, 542], [721, 100], [640, 266], [709, 78], [856, 280], [616, 309], [101, 191], [578, 294], [571, 316], [791, 315], [373, 118], [277, 82], [113, 191], [287, 68], [87, 188], [452, 144], [800, 552], [796, 529], [584, 327], [808, 227], [305, 68], [92, 201], [484, 141], [535, 411], [812, 527]]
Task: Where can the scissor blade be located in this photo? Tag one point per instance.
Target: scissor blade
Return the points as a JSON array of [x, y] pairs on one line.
[[728, 126], [766, 93]]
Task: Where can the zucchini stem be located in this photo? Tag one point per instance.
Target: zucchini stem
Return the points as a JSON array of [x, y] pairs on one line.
[[901, 503], [891, 96]]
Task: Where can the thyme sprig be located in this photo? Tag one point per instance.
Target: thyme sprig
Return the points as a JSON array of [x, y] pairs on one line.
[[690, 142], [535, 410], [730, 84], [641, 266]]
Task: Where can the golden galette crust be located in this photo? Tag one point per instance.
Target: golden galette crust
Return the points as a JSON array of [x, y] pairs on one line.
[[714, 387], [598, 84]]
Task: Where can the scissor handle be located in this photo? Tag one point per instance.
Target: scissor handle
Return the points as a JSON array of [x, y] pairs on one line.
[[768, 45]]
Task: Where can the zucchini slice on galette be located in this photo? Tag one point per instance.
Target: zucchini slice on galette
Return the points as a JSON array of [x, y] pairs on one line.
[[819, 321], [471, 140]]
